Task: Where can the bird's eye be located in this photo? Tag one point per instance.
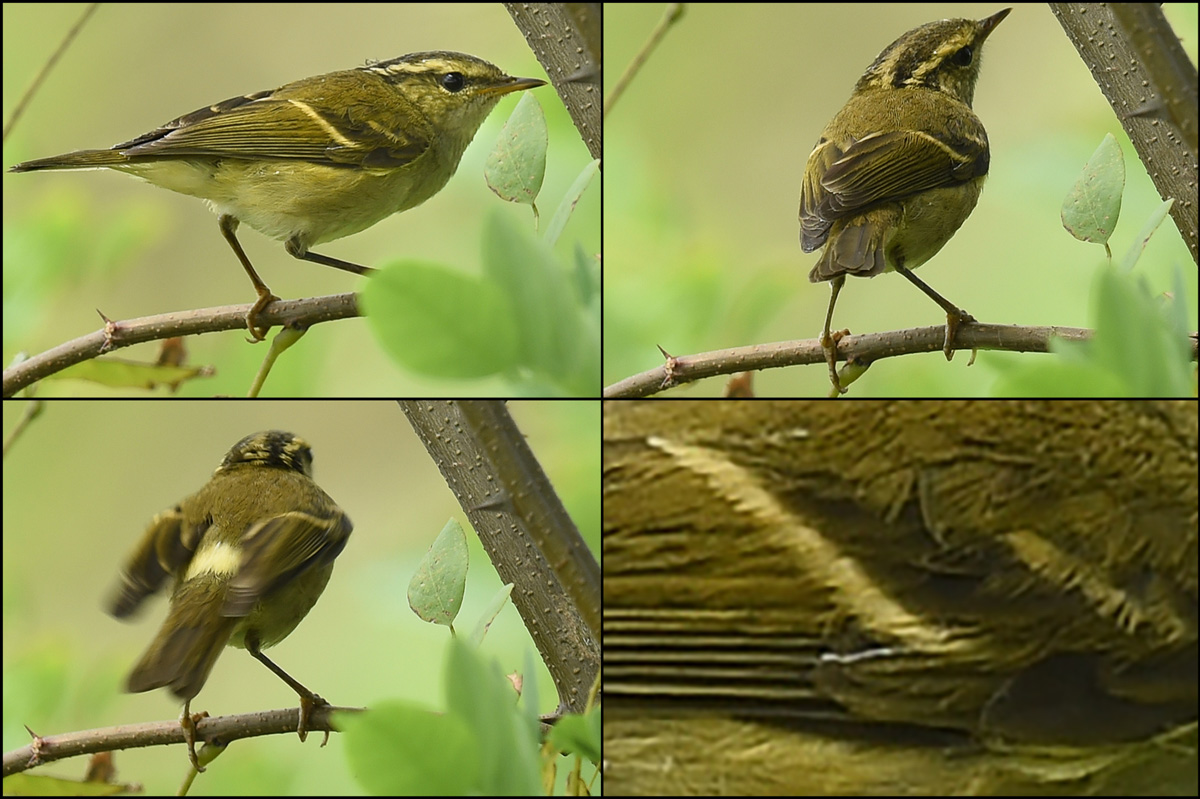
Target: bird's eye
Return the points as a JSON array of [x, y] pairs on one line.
[[453, 82], [963, 57]]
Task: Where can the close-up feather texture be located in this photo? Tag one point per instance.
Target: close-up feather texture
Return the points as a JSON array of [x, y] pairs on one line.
[[904, 597]]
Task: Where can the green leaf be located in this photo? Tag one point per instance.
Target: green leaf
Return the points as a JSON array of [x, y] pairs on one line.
[[517, 164], [562, 214], [1143, 237], [478, 692], [436, 321], [557, 338], [490, 612], [1140, 349], [399, 749], [1091, 209], [117, 373], [435, 592], [578, 734]]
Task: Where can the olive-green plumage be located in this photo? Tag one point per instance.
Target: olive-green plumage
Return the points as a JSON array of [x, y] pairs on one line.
[[899, 169], [319, 158], [901, 598], [249, 554]]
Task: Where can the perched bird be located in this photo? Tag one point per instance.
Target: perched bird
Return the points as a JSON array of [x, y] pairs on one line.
[[898, 170], [319, 158], [249, 555], [901, 598]]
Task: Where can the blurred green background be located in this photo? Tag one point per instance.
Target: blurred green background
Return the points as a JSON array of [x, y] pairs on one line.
[[82, 484], [75, 241], [706, 149]]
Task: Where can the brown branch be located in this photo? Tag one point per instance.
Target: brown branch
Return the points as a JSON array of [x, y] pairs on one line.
[[565, 37], [1138, 62], [225, 729], [507, 506], [671, 15], [864, 349], [538, 504], [115, 335]]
